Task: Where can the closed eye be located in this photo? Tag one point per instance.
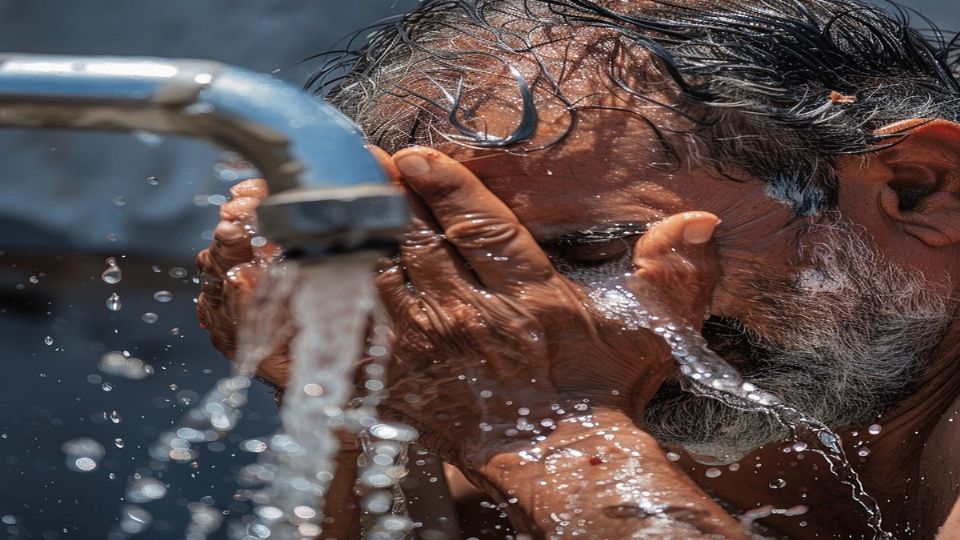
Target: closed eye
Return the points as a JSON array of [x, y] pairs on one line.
[[593, 252]]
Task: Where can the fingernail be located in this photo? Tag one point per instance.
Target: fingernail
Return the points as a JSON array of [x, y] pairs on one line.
[[413, 165], [699, 231]]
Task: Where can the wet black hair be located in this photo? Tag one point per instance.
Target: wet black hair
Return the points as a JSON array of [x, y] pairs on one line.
[[776, 88]]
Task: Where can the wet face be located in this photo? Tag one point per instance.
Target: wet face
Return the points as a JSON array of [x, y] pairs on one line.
[[805, 307]]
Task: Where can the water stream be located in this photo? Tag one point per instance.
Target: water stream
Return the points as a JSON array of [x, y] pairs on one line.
[[707, 374], [332, 307]]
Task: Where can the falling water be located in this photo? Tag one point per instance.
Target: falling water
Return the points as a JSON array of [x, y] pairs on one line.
[[335, 299], [706, 374]]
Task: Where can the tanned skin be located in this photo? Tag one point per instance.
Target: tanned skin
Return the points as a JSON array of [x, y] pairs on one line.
[[473, 292]]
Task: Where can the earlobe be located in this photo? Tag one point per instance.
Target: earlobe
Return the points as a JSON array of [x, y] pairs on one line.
[[921, 191]]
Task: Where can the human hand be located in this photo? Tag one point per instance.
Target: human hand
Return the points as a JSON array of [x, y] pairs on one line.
[[492, 344], [231, 268]]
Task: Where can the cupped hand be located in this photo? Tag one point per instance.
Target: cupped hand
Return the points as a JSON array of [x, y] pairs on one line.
[[492, 344], [234, 264], [231, 268]]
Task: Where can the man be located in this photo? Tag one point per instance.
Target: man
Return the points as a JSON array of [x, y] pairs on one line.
[[780, 175]]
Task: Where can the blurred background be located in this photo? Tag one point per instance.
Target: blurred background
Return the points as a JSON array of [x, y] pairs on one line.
[[69, 201]]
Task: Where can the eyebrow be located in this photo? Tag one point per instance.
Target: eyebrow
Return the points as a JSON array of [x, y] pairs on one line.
[[594, 235]]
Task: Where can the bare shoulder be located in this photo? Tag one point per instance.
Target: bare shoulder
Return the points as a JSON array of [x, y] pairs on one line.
[[940, 476]]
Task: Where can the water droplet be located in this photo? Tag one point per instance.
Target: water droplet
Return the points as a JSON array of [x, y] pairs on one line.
[[134, 519], [119, 200], [258, 241], [163, 296], [231, 167], [83, 454], [712, 472], [106, 387], [623, 511], [150, 317], [113, 302], [177, 272], [269, 513], [673, 456], [254, 445], [863, 452], [799, 446], [118, 442], [48, 340], [112, 274], [874, 429], [122, 365], [778, 483], [378, 502], [114, 417], [145, 489], [153, 180], [148, 138]]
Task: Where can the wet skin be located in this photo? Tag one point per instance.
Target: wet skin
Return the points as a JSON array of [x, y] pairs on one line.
[[468, 315]]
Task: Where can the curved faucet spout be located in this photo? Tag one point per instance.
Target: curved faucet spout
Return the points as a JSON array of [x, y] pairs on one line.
[[328, 194]]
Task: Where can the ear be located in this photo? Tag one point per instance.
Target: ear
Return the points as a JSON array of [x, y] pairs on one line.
[[920, 179]]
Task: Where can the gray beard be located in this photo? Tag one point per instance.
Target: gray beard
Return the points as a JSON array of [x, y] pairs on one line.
[[854, 333], [849, 337]]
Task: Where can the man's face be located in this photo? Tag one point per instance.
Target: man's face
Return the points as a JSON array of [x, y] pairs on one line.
[[804, 307]]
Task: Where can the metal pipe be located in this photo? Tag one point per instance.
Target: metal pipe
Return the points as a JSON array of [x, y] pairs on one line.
[[328, 194]]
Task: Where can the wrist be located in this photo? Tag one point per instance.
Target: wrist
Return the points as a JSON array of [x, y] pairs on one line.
[[614, 473]]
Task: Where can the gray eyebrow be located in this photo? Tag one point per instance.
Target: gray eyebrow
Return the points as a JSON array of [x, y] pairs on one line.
[[600, 234]]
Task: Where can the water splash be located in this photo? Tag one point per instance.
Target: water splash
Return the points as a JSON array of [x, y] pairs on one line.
[[144, 489], [134, 519], [83, 454], [123, 365], [113, 302], [112, 275], [335, 298], [707, 374]]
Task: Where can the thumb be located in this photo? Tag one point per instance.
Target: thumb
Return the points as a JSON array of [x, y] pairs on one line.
[[676, 265]]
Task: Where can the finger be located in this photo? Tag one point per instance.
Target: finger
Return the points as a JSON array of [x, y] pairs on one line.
[[677, 264], [483, 230], [240, 209], [230, 247], [232, 235], [430, 262], [386, 162], [254, 187], [211, 290], [391, 285]]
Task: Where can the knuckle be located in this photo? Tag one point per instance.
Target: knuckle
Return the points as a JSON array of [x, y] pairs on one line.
[[254, 187], [481, 231], [239, 209], [227, 232], [203, 260], [420, 238]]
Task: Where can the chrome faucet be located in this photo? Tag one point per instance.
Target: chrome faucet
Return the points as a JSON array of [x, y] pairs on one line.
[[328, 194]]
